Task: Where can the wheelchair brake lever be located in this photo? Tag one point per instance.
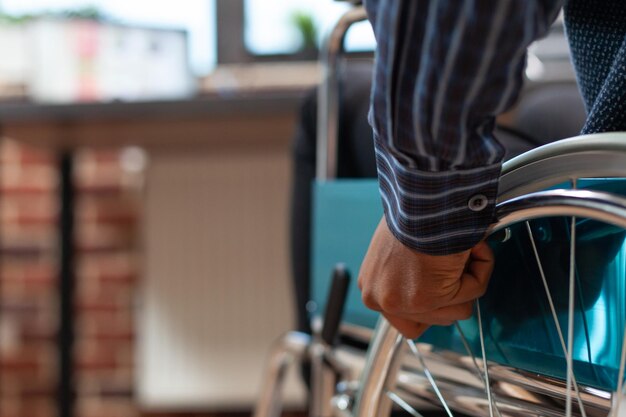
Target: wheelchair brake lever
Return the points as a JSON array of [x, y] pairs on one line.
[[335, 305]]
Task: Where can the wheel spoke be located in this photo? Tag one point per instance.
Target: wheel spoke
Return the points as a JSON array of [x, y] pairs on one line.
[[468, 349], [429, 376], [482, 349], [403, 404], [619, 393], [570, 319], [553, 311]]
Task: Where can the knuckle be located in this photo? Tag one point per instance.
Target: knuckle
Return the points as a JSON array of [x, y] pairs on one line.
[[369, 299], [391, 303], [395, 302]]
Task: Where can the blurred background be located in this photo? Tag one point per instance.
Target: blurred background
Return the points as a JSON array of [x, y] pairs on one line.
[[177, 119], [68, 50], [173, 124]]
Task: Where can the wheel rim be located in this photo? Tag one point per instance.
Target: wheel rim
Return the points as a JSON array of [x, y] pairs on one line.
[[600, 155]]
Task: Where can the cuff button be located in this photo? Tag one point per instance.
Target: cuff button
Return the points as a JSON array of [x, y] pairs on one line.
[[477, 202]]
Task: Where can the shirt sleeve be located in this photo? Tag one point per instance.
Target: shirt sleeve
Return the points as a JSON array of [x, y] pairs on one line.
[[444, 69]]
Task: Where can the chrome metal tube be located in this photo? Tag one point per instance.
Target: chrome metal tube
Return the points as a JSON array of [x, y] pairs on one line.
[[381, 368], [601, 155], [323, 382], [288, 349], [328, 95], [602, 206]]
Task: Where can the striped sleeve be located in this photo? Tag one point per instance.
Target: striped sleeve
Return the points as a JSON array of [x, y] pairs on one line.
[[444, 69]]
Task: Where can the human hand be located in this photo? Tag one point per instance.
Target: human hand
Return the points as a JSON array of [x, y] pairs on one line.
[[414, 290]]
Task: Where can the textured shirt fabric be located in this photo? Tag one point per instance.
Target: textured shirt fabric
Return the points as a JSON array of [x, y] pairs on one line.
[[444, 69], [596, 30]]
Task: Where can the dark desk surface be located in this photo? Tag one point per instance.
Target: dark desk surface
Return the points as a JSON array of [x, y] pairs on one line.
[[213, 120]]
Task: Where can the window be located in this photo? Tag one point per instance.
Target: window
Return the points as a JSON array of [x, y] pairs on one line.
[[197, 17], [270, 27]]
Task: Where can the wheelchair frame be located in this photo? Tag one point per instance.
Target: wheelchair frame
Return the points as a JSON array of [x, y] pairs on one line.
[[522, 177]]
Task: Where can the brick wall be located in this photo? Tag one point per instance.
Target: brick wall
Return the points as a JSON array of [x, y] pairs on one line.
[[107, 274], [109, 186]]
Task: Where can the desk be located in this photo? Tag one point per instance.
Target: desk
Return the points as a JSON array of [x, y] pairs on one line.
[[250, 121]]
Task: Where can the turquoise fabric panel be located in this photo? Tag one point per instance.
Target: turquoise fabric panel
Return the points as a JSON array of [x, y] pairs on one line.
[[518, 324], [345, 215]]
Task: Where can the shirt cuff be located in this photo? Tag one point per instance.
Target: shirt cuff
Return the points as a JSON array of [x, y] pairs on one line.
[[437, 213]]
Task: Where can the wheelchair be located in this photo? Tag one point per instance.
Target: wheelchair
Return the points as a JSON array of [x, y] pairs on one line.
[[547, 339]]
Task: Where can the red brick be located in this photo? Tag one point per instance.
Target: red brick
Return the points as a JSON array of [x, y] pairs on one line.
[[93, 306], [120, 212], [100, 157], [110, 269], [110, 408], [36, 331], [113, 383], [23, 277], [8, 190], [96, 356], [40, 177], [18, 239], [111, 325], [94, 238], [20, 307], [28, 219], [38, 407], [23, 360], [115, 334], [41, 273], [15, 152], [119, 278], [38, 388], [108, 190], [36, 156]]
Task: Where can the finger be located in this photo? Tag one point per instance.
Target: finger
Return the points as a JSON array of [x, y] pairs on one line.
[[443, 316], [475, 278], [481, 262], [408, 328]]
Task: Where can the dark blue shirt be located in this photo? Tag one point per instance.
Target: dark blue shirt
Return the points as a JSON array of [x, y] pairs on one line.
[[444, 70]]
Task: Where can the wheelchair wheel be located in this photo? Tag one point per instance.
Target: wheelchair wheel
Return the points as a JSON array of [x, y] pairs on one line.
[[601, 155], [549, 337]]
